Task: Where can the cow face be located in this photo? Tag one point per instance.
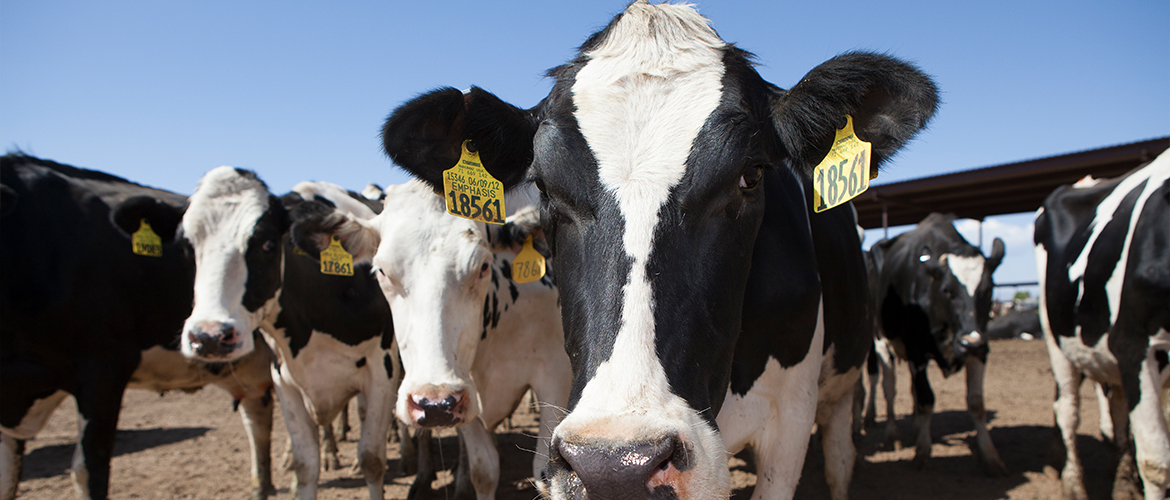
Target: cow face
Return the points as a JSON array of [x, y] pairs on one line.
[[651, 153], [443, 279], [235, 228]]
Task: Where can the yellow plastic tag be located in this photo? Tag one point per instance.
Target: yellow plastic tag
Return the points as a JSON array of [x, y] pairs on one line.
[[145, 241], [335, 260], [529, 264], [471, 192], [844, 173]]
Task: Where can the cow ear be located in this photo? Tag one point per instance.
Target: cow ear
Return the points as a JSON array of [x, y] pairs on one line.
[[164, 219], [996, 256], [315, 223], [890, 101], [522, 224], [426, 134]]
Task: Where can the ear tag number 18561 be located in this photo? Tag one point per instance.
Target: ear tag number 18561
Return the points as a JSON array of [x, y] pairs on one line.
[[335, 260], [844, 173], [145, 241], [471, 192], [528, 265]]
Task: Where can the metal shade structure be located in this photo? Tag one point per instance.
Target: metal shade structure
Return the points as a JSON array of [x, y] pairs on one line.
[[1001, 189]]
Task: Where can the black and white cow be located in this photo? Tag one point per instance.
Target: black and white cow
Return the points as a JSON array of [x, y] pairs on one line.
[[672, 183], [934, 293], [1103, 258], [472, 340], [332, 335], [83, 315]]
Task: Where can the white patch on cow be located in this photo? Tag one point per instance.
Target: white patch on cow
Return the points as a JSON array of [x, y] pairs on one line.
[[1087, 181], [36, 417], [338, 195], [1156, 173], [219, 220], [968, 270], [1104, 214]]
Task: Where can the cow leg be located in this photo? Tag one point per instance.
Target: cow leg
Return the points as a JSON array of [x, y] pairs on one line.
[[482, 471], [836, 438], [1066, 408], [305, 441], [1151, 437], [257, 417], [1105, 408], [1126, 481], [923, 409], [551, 395], [988, 455], [343, 428], [11, 465], [857, 407], [871, 371], [372, 444], [329, 450], [889, 392], [424, 465], [99, 401]]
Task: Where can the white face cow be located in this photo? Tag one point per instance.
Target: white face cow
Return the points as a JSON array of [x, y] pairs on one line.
[[235, 227]]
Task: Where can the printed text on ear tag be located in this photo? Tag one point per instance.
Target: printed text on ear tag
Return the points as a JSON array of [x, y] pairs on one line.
[[471, 192], [529, 264], [844, 173], [335, 260], [145, 241]]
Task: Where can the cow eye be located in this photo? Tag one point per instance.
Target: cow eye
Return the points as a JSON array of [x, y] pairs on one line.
[[751, 177], [483, 269], [269, 246]]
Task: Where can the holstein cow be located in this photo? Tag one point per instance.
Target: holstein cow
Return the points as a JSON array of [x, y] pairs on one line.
[[472, 340], [934, 291], [672, 183], [332, 335], [84, 315], [1103, 256]]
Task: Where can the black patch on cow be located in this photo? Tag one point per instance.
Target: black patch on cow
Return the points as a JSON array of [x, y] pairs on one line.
[[506, 268], [324, 201], [513, 290], [263, 254], [389, 364], [361, 362], [495, 278]]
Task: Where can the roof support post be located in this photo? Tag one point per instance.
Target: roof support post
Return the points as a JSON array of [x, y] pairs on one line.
[[885, 222]]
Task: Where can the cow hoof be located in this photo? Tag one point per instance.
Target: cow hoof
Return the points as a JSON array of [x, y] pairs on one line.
[[919, 462], [1127, 483], [264, 493], [995, 469], [331, 463], [1072, 489]]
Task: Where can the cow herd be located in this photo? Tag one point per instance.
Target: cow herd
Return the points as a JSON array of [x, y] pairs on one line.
[[695, 304]]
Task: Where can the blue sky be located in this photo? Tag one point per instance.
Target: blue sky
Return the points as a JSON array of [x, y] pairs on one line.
[[162, 91]]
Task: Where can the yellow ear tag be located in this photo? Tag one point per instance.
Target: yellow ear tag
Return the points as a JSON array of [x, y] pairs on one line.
[[145, 241], [529, 264], [844, 173], [335, 260], [471, 192]]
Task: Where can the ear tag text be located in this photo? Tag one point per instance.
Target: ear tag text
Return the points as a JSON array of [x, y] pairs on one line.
[[145, 242], [335, 260], [844, 173], [471, 192], [529, 264]]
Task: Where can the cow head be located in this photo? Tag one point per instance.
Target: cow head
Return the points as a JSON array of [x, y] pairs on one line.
[[653, 155], [447, 281], [937, 274], [235, 227]]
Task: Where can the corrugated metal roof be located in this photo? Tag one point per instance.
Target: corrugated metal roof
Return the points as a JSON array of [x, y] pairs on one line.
[[997, 190]]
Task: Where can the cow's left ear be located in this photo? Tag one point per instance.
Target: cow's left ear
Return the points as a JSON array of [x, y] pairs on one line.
[[315, 223], [890, 101], [996, 256], [164, 219]]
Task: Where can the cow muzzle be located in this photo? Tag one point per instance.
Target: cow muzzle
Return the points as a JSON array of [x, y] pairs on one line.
[[971, 344], [214, 341], [599, 470], [438, 409]]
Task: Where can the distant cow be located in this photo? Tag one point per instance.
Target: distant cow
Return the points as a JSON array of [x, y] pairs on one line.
[[472, 339], [689, 269], [1103, 257], [934, 293], [84, 315], [332, 335]]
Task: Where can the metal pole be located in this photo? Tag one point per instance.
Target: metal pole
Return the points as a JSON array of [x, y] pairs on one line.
[[885, 222]]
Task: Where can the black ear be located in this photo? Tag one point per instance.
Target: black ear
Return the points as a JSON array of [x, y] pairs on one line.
[[996, 256], [890, 101], [315, 223], [426, 134], [164, 219], [522, 224]]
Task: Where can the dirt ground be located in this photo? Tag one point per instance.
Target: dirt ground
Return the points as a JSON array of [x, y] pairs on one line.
[[191, 446]]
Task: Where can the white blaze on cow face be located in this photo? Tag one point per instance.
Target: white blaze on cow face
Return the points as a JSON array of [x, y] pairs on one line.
[[218, 223], [641, 101], [968, 270]]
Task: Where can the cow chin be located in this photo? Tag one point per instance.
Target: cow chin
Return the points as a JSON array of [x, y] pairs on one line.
[[668, 453]]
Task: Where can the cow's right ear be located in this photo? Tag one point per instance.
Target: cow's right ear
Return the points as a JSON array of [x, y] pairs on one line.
[[164, 219], [522, 224], [425, 135], [315, 223]]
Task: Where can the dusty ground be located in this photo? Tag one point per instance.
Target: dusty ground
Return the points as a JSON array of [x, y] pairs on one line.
[[182, 446]]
